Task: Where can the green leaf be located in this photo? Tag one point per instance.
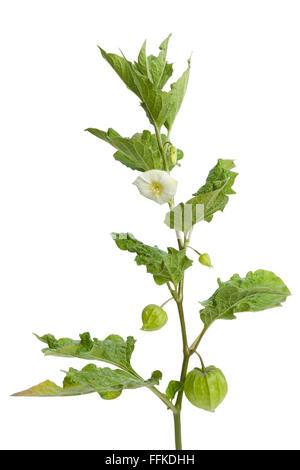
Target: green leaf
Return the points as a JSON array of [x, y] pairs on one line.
[[146, 78], [210, 198], [259, 290], [220, 174], [155, 68], [108, 380], [139, 152], [92, 379], [113, 350], [120, 66], [156, 102], [165, 266], [176, 95], [50, 389], [173, 387]]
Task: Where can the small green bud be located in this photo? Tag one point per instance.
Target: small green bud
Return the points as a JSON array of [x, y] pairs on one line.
[[153, 317], [205, 260], [173, 155], [110, 394], [205, 388]]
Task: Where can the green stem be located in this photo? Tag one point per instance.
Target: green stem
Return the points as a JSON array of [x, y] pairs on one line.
[[201, 360], [182, 323], [177, 427], [195, 344], [184, 368], [161, 147], [156, 392], [179, 240], [163, 398], [165, 303], [196, 251], [186, 356], [178, 405]]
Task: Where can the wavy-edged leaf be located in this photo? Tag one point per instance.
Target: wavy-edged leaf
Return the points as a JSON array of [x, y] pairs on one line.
[[218, 186], [220, 174], [139, 152], [258, 291], [173, 387], [92, 379], [113, 350], [210, 198], [165, 266]]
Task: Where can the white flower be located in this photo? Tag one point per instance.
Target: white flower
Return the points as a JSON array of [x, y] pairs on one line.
[[156, 185]]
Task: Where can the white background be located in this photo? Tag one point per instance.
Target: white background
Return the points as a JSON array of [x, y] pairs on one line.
[[62, 193]]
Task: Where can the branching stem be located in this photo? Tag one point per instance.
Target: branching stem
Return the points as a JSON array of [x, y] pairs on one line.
[[163, 398], [177, 295]]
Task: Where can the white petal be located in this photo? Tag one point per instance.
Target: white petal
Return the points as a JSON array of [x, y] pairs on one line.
[[141, 183], [165, 197], [147, 176], [162, 178]]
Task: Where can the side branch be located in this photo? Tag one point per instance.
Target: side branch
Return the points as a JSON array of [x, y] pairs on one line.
[[196, 343]]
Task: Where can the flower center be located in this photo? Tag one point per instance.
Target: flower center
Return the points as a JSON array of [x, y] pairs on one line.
[[156, 188]]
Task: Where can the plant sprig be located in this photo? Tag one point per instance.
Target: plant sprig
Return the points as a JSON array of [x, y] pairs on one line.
[[154, 156]]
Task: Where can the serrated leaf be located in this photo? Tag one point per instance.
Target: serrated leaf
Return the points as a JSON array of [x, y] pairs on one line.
[[210, 198], [176, 95], [258, 291], [113, 350], [139, 152], [165, 266], [173, 387], [92, 379]]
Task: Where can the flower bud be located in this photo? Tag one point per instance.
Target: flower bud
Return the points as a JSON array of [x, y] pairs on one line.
[[153, 317], [205, 260], [173, 155], [205, 388]]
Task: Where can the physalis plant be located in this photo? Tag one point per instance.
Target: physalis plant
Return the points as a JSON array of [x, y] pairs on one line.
[[152, 156]]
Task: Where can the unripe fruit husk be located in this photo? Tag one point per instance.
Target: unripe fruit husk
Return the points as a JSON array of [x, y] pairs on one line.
[[153, 317], [205, 260], [205, 388]]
